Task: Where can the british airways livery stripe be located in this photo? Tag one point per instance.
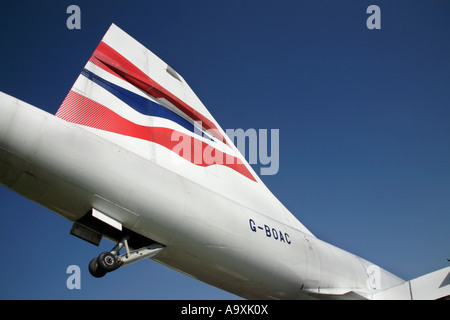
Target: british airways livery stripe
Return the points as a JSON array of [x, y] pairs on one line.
[[81, 110], [111, 61], [140, 104]]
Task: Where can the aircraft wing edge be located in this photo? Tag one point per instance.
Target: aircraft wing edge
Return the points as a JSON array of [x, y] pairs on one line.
[[431, 286]]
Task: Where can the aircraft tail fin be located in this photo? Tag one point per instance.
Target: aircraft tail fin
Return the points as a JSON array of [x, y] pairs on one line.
[[128, 95], [123, 90]]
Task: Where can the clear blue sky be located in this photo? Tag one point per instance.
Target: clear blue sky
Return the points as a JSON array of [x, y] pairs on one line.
[[364, 119]]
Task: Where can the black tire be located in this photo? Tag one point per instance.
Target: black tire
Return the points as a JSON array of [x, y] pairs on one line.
[[95, 270], [107, 261]]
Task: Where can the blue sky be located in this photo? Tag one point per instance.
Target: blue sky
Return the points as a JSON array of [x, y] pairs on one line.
[[364, 120]]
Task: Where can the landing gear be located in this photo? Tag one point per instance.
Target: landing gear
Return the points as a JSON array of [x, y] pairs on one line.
[[110, 261], [104, 263], [94, 269]]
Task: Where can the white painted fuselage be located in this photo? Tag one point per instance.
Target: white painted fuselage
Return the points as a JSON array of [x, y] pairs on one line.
[[209, 234]]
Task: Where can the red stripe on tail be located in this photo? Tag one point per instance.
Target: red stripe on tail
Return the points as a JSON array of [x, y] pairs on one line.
[[79, 109]]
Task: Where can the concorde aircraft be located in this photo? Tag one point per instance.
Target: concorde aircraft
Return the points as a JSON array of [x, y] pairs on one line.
[[134, 156]]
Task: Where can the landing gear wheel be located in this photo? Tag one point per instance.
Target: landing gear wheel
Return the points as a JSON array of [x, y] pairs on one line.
[[107, 261], [110, 261], [95, 270]]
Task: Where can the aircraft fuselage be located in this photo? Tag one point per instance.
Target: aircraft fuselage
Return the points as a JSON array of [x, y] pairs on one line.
[[70, 170]]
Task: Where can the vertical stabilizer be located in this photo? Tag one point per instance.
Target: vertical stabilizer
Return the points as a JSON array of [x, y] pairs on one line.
[[129, 96]]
